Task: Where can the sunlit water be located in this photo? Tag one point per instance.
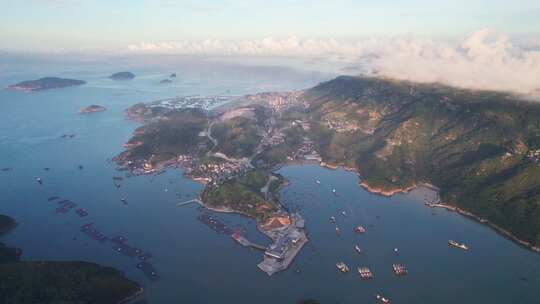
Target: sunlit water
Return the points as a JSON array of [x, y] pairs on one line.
[[196, 264]]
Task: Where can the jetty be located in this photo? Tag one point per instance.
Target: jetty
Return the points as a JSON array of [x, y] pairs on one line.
[[245, 242], [195, 200]]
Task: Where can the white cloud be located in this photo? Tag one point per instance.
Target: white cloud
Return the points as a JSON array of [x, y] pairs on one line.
[[483, 60]]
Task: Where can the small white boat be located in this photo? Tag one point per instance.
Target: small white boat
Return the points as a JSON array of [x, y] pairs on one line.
[[318, 182], [357, 248], [343, 213], [359, 229], [382, 299], [455, 244], [342, 267]]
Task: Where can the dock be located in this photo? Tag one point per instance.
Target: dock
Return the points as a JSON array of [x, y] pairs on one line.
[[246, 243], [196, 200]]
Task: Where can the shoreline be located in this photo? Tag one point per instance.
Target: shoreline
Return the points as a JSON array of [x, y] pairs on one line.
[[507, 234], [389, 193]]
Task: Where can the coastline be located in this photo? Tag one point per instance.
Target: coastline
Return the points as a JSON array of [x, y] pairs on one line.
[[388, 193], [465, 213], [133, 297]]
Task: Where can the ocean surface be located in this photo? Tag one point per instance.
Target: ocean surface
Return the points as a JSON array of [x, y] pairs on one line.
[[196, 264]]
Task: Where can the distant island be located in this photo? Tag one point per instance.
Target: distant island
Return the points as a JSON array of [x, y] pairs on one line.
[[29, 282], [46, 83], [122, 76], [92, 109], [396, 135], [173, 75], [165, 81]]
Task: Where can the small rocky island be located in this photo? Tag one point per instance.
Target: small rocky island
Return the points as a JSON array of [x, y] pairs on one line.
[[122, 76], [92, 109], [173, 75], [46, 83], [165, 81], [28, 282]]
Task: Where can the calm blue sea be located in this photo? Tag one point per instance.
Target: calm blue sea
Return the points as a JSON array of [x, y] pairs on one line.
[[196, 264]]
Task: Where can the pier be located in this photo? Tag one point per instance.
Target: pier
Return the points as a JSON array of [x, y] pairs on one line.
[[195, 200], [245, 242]]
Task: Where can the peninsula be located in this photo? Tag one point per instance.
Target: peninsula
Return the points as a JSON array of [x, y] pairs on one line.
[[28, 282], [45, 83], [396, 135], [122, 76]]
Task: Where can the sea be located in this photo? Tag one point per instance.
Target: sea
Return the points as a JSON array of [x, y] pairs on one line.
[[196, 264]]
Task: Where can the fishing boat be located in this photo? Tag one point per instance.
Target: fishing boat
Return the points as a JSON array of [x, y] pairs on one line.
[[333, 219], [396, 251], [455, 244], [382, 299], [399, 269], [359, 229], [357, 248], [342, 267], [343, 213], [365, 273]]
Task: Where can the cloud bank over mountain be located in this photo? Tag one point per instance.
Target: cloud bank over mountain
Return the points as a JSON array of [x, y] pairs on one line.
[[484, 59]]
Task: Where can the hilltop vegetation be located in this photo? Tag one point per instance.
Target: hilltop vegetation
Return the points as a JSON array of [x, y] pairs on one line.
[[478, 147], [243, 194]]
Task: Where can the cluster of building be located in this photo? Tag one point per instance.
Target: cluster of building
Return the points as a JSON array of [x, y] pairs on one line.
[[277, 101], [307, 151], [193, 101], [217, 173], [342, 126], [288, 235], [534, 156]]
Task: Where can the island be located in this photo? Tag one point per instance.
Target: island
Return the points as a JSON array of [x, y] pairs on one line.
[[45, 83], [471, 146], [122, 76], [92, 109], [165, 81], [173, 75], [28, 282]]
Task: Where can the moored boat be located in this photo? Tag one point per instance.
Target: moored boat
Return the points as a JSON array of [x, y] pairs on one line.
[[382, 299], [359, 229], [357, 248], [455, 244], [342, 267]]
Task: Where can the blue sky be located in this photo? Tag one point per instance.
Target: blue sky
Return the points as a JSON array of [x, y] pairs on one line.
[[35, 25]]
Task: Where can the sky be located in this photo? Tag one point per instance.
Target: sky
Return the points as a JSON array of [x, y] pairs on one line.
[[479, 44], [50, 25]]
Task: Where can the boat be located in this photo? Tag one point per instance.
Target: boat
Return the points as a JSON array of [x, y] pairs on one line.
[[344, 213], [359, 229], [333, 219], [399, 269], [338, 231], [318, 182], [334, 191], [38, 179], [455, 244], [365, 273], [342, 267], [382, 299], [396, 251], [357, 248]]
